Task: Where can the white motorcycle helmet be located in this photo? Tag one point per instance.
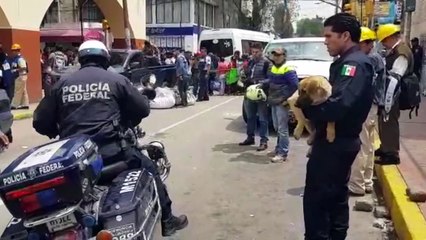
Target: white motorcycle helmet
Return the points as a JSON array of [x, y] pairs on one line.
[[93, 51], [255, 93]]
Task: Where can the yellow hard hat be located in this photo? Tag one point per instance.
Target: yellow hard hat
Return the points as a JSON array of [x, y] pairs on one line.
[[387, 30], [367, 34], [16, 47]]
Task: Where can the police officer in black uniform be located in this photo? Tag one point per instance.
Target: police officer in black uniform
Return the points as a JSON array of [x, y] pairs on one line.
[[325, 200], [92, 101]]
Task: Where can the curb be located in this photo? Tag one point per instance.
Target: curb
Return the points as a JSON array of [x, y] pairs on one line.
[[22, 115], [409, 222]]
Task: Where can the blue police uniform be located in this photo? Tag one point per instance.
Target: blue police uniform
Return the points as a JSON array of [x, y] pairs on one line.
[[203, 94], [7, 78], [325, 200]]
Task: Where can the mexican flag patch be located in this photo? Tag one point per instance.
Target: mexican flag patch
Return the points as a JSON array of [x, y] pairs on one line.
[[348, 70]]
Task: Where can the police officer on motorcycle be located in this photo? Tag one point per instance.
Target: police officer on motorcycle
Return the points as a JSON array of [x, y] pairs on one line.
[[102, 104]]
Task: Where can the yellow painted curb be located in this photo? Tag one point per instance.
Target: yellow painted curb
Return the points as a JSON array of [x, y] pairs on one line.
[[22, 115], [409, 222]]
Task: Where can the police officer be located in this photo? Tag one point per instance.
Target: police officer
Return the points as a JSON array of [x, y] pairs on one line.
[[91, 101], [399, 62], [204, 66], [20, 70], [325, 200], [7, 79], [361, 181]]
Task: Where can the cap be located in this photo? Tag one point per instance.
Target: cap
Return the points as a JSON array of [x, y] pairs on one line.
[[280, 51]]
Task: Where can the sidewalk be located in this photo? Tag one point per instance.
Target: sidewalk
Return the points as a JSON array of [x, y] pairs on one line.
[[24, 114], [409, 218]]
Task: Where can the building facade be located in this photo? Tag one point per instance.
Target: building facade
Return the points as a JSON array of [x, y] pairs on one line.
[[177, 23], [20, 23], [61, 24]]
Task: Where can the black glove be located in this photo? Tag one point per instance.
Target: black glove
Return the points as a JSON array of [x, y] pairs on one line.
[[150, 93]]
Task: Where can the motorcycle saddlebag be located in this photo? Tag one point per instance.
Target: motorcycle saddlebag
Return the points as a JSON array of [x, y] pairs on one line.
[[130, 205], [50, 177]]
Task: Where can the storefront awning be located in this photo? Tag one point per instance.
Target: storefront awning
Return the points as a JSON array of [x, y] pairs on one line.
[[68, 35]]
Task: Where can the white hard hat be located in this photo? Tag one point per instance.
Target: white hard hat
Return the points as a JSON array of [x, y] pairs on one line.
[[93, 48], [255, 93]]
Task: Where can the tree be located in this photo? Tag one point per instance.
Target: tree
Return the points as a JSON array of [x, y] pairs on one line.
[[260, 15], [282, 22], [310, 27]]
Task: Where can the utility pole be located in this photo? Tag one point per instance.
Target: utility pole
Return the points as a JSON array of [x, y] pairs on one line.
[[336, 7], [180, 24], [409, 8], [198, 21], [408, 27], [81, 5], [126, 25], [223, 14]]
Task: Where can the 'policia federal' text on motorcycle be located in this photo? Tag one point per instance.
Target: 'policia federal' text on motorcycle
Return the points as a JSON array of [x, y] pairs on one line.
[[53, 192]]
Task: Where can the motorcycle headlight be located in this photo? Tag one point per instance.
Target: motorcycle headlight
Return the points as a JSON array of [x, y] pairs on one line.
[[152, 79]]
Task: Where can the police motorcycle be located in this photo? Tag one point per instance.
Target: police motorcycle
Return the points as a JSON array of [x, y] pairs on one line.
[[53, 192]]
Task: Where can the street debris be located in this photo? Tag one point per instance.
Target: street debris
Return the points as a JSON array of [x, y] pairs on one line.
[[416, 194], [380, 223], [381, 212], [364, 205]]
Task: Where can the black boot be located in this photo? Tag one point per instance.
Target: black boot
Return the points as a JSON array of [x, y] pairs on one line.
[[388, 159], [173, 224], [262, 147], [247, 142]]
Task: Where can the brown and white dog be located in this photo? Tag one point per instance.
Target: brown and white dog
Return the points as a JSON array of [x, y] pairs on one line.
[[313, 90]]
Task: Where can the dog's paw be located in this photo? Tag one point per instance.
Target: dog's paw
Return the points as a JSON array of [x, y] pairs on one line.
[[309, 153], [330, 138], [296, 136]]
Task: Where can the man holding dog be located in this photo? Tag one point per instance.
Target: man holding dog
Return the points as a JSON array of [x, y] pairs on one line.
[[361, 181], [325, 200]]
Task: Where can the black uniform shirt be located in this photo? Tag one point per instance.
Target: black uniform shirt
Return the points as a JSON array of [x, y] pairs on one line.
[[351, 77], [87, 102]]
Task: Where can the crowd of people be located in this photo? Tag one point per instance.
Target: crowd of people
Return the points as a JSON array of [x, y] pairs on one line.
[[365, 99]]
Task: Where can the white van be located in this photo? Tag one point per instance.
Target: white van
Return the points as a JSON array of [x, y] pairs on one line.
[[225, 41], [308, 55]]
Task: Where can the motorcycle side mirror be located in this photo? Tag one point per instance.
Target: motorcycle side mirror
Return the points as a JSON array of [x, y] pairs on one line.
[[134, 65]]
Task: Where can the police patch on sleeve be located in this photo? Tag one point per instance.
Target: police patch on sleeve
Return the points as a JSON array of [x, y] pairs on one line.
[[348, 70]]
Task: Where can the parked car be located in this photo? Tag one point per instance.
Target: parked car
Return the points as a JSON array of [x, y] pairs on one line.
[[130, 63], [309, 57]]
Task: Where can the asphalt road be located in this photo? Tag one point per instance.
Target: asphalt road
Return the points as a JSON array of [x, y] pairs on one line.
[[228, 192]]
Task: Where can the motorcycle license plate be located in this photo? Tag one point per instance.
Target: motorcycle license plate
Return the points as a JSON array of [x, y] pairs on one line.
[[62, 223]]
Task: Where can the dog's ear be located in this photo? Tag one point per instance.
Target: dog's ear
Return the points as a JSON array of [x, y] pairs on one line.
[[324, 87]]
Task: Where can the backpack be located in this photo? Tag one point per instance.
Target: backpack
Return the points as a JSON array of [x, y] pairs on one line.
[[59, 61], [409, 97]]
